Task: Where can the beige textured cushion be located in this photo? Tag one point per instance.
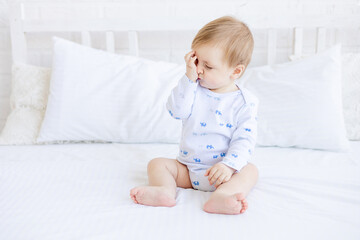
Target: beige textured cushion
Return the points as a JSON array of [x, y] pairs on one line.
[[28, 100]]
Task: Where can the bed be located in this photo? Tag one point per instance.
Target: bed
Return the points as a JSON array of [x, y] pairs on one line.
[[81, 190]]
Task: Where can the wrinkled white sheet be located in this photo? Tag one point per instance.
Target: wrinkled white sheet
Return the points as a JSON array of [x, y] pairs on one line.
[[81, 191]]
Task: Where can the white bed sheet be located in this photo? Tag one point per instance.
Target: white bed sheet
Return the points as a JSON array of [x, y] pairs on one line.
[[81, 191]]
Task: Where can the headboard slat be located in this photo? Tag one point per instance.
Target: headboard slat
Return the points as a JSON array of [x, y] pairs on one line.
[[86, 38], [133, 43], [272, 39], [320, 39], [110, 41], [298, 41], [18, 40]]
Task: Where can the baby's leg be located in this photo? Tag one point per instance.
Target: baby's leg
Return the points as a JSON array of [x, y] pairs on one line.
[[164, 176], [229, 197]]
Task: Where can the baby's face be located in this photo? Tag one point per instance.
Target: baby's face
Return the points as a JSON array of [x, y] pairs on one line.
[[213, 72]]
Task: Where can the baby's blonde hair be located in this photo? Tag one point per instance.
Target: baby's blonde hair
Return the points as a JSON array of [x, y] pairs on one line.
[[231, 35]]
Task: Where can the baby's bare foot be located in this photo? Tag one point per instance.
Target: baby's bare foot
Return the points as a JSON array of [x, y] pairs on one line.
[[152, 196], [225, 204]]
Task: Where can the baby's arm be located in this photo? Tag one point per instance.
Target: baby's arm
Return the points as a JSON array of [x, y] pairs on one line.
[[243, 141], [181, 100], [241, 147]]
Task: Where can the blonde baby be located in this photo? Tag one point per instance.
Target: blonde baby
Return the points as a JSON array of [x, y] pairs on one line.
[[219, 120]]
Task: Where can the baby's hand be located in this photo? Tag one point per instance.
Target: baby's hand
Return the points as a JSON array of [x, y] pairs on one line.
[[191, 60], [219, 173]]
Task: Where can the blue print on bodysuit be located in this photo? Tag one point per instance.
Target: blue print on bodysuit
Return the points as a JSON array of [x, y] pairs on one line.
[[222, 154], [228, 125], [209, 147], [231, 164], [184, 152], [203, 124], [234, 155], [248, 129], [218, 112], [196, 183], [215, 156], [197, 160], [171, 114]]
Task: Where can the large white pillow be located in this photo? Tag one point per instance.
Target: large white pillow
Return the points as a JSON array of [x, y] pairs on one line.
[[351, 94], [96, 95], [300, 102], [28, 99]]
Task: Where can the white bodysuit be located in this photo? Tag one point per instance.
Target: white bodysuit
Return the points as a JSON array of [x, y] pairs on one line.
[[216, 127]]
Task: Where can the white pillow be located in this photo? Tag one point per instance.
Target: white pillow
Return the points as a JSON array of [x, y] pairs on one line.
[[351, 94], [300, 102], [96, 95], [29, 91]]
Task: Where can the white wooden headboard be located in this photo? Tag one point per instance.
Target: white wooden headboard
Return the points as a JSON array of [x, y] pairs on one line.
[[109, 17]]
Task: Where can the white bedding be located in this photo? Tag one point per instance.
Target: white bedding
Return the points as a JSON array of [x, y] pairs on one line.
[[81, 191]]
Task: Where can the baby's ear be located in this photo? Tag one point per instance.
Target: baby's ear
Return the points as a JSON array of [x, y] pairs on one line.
[[238, 71]]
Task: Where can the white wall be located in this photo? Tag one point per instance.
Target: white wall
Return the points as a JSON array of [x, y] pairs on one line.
[[171, 46]]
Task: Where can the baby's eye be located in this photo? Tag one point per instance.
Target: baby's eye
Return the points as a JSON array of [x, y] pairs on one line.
[[208, 67]]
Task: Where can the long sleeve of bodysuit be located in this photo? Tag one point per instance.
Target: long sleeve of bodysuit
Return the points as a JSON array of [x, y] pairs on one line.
[[244, 137], [181, 99]]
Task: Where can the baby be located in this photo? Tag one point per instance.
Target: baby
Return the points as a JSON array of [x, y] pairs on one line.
[[219, 124]]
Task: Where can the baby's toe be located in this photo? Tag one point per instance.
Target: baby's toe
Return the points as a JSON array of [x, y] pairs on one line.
[[240, 197], [244, 204], [133, 194], [134, 199]]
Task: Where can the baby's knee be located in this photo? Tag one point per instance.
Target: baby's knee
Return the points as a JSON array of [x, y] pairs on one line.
[[253, 169], [155, 162], [158, 163], [162, 164]]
